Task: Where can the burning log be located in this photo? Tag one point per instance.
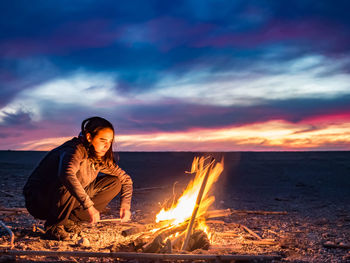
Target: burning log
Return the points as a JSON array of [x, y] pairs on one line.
[[196, 207], [157, 243], [199, 239]]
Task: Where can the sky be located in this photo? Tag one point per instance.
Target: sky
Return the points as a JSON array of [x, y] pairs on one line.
[[192, 75]]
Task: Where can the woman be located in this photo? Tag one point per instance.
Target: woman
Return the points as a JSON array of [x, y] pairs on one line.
[[65, 189]]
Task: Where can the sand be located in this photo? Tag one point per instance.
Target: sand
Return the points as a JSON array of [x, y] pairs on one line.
[[312, 187]]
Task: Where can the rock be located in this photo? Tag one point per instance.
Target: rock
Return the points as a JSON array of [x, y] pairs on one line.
[[84, 242], [328, 243]]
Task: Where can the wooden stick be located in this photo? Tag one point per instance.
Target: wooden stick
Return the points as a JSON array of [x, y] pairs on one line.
[[260, 242], [196, 207], [14, 209], [137, 190], [12, 237], [215, 222], [227, 234], [130, 255], [333, 245], [110, 220], [218, 213], [250, 232], [259, 212], [11, 211]]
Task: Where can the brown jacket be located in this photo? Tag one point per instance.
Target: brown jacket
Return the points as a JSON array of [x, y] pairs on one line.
[[69, 165]]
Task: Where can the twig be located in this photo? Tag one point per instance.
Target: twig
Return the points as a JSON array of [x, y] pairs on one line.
[[215, 222], [11, 211], [259, 212], [37, 228], [12, 237], [250, 231], [261, 242], [110, 220], [333, 245], [217, 213], [137, 190]]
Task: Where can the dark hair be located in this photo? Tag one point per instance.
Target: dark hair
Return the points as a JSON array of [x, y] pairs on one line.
[[93, 125]]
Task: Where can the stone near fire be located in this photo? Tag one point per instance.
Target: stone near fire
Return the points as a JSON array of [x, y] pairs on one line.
[[84, 242]]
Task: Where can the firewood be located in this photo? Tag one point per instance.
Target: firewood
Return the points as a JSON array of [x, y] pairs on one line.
[[167, 248], [198, 240], [177, 241], [155, 244], [133, 230]]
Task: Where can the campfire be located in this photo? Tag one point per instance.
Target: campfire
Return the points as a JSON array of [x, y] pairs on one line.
[[182, 225]]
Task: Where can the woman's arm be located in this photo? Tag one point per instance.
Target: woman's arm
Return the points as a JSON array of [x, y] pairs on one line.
[[126, 183], [69, 164]]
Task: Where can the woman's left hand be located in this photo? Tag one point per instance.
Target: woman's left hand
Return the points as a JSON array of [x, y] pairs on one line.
[[125, 214]]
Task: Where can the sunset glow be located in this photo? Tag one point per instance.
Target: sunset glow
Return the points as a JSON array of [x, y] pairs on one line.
[[273, 135]]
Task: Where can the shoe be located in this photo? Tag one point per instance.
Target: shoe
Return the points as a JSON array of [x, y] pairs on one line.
[[72, 226], [56, 232]]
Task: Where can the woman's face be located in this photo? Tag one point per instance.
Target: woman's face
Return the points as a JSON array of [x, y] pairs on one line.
[[102, 141]]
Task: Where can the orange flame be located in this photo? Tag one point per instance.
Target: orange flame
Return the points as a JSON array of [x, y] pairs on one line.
[[183, 208]]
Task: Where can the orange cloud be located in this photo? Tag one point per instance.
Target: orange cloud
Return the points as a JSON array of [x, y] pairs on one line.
[[267, 136]]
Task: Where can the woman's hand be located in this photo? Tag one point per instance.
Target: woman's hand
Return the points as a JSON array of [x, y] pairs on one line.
[[125, 214], [94, 214]]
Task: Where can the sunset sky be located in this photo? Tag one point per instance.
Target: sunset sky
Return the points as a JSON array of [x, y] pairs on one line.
[[190, 75]]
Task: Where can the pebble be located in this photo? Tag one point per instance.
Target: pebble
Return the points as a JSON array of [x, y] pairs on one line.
[[84, 242]]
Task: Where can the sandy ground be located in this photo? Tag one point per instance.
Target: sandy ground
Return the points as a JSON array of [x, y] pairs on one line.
[[311, 187]]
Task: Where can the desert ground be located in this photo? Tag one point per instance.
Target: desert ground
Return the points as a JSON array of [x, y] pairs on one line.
[[297, 204]]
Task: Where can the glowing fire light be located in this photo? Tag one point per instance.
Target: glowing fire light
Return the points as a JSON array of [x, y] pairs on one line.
[[183, 208]]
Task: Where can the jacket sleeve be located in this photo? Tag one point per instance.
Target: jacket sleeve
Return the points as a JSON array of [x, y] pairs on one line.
[[126, 182], [69, 165]]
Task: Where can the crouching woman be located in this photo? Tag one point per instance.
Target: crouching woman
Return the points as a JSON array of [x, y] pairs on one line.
[[66, 187]]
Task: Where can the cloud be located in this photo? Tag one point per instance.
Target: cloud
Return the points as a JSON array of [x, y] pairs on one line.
[[173, 67]]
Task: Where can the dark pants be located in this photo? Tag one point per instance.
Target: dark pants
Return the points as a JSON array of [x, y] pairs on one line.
[[55, 204]]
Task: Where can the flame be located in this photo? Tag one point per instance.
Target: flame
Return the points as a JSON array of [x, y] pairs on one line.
[[183, 208]]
